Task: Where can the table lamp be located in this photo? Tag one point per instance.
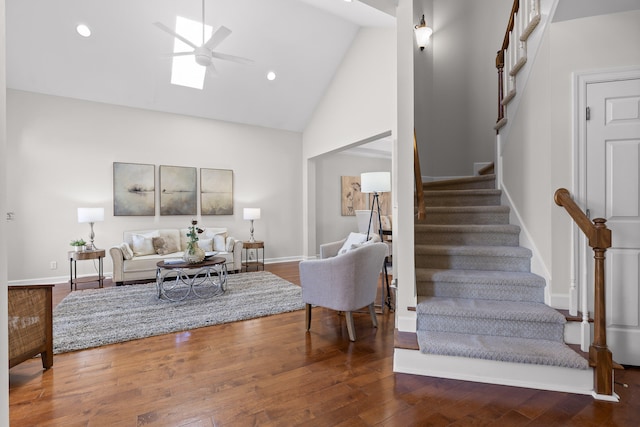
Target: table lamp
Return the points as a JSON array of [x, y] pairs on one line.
[[91, 215], [251, 214]]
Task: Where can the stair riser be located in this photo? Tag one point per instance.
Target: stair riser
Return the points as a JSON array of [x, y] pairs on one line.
[[475, 185], [457, 200], [484, 291], [451, 218], [470, 239], [497, 327], [462, 262]]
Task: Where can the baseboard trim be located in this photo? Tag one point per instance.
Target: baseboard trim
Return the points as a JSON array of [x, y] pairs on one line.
[[539, 377]]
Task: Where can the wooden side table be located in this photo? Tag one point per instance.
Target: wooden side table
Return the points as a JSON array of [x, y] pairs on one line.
[[74, 257], [257, 246]]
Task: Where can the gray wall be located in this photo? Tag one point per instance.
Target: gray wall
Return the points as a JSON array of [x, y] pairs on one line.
[[330, 224], [456, 83]]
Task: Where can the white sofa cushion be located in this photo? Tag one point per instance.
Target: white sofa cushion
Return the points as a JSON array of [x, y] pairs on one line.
[[205, 244], [143, 243]]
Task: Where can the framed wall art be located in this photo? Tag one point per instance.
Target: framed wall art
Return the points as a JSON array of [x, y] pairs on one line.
[[352, 198], [178, 190], [216, 191], [134, 189]]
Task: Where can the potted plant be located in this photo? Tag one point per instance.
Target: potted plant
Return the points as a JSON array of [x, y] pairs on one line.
[[78, 245]]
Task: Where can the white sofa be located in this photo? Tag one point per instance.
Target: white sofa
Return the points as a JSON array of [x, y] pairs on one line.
[[136, 257]]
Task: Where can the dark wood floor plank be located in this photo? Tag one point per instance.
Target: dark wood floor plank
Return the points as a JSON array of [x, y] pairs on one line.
[[271, 372]]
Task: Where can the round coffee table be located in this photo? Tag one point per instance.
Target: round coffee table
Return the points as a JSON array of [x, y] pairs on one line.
[[176, 281]]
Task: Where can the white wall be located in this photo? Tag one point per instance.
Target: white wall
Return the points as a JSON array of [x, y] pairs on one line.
[[4, 326], [360, 103], [456, 107], [331, 225], [539, 152], [61, 155]]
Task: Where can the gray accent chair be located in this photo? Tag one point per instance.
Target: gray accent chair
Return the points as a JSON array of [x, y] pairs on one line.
[[346, 282]]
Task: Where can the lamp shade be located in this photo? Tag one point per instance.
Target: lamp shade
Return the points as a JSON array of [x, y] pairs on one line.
[[375, 182], [90, 214], [251, 213]]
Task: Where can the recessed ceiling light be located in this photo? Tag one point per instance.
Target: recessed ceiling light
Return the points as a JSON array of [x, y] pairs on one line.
[[83, 30], [271, 76]]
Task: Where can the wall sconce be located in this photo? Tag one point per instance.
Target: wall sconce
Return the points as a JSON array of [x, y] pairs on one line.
[[423, 33]]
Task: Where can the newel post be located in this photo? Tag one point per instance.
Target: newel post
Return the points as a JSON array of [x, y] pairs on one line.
[[599, 354]]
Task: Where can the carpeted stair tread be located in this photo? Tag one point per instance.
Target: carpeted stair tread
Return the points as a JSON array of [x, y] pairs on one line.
[[495, 251], [467, 234], [506, 349], [467, 228], [505, 258], [494, 285], [489, 317], [467, 209], [489, 309], [497, 214], [484, 181], [479, 197], [481, 277]]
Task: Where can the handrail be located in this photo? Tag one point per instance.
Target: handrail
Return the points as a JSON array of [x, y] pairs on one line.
[[500, 57], [599, 239], [422, 211]]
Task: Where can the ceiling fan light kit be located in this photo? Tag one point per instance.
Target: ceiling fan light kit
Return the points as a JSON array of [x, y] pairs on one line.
[[205, 53]]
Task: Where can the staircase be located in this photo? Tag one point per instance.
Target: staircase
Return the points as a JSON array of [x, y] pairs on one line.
[[480, 311]]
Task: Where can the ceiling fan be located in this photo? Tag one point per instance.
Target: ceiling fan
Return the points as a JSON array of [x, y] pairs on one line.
[[205, 53]]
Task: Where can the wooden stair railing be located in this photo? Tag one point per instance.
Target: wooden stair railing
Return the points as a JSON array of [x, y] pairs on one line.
[[599, 237], [422, 211], [500, 58]]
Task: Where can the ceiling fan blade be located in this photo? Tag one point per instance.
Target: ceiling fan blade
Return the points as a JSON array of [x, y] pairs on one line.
[[217, 37], [212, 71], [174, 34], [182, 53], [232, 58]]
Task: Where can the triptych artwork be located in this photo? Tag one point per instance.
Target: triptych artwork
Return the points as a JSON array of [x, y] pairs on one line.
[[134, 190]]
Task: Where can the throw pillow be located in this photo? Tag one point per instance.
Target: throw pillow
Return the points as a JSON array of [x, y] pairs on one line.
[[353, 239], [127, 253], [206, 244], [218, 243], [164, 245], [143, 243], [231, 241], [386, 222]]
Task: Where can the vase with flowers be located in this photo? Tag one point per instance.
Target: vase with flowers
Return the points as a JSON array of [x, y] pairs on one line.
[[193, 253]]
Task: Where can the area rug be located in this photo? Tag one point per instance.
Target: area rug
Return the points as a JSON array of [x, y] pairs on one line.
[[96, 317]]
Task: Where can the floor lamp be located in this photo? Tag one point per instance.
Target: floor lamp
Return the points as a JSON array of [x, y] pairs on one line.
[[376, 183]]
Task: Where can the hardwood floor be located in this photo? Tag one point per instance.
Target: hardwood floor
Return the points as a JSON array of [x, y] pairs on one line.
[[270, 372]]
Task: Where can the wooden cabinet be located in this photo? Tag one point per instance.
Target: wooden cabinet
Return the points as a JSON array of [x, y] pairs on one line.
[[30, 324]]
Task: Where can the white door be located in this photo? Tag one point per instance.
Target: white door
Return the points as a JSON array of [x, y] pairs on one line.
[[613, 193]]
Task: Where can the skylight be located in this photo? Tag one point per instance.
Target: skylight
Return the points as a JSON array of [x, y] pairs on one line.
[[184, 69]]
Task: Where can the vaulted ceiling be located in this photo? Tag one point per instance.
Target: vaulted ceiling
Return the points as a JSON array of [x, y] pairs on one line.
[[125, 61]]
